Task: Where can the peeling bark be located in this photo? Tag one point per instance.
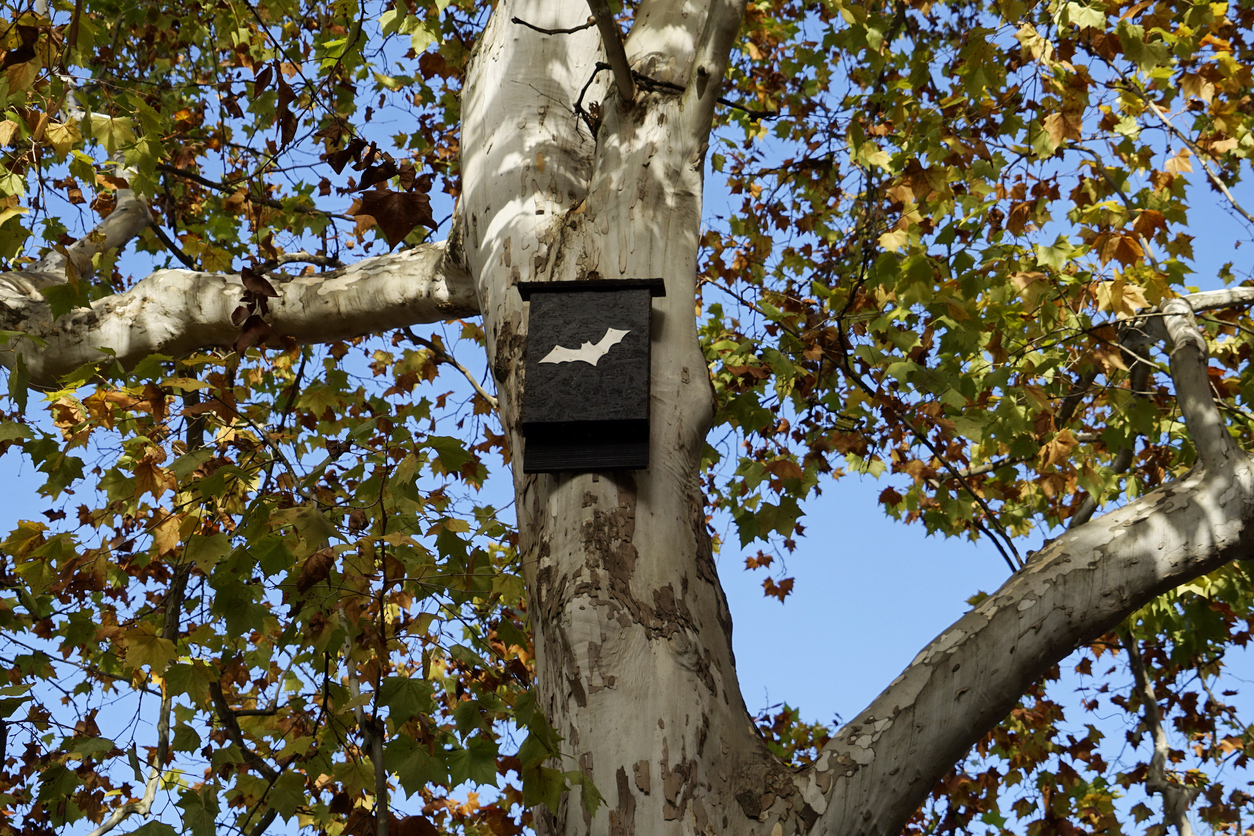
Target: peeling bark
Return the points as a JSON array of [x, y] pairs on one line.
[[632, 632]]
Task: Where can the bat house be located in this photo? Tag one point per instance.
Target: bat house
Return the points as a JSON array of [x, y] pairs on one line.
[[586, 398]]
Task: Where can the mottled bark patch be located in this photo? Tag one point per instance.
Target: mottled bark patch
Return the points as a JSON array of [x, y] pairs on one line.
[[623, 816]]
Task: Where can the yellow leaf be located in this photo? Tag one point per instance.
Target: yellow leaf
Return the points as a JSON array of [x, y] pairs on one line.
[[1179, 163], [8, 130], [63, 136], [112, 132], [894, 240], [165, 534]]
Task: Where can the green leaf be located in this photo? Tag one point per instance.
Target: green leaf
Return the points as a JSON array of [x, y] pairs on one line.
[[476, 763], [207, 550], [200, 810], [144, 648], [406, 697]]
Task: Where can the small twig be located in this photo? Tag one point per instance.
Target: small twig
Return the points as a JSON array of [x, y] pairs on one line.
[[445, 357], [1192, 146], [169, 631], [251, 198], [227, 716], [174, 249], [591, 22], [328, 261], [374, 740], [647, 83]]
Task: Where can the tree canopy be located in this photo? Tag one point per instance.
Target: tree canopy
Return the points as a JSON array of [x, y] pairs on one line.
[[959, 255]]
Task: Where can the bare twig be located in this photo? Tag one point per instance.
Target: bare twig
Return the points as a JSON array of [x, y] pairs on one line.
[[174, 248], [591, 22], [227, 717], [170, 630], [369, 730], [328, 261], [251, 198], [1197, 152], [445, 357]]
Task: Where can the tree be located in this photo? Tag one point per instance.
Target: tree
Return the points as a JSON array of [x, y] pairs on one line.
[[899, 292]]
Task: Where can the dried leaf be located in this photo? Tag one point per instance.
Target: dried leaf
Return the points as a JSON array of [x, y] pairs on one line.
[[255, 331], [380, 173], [256, 283], [316, 569], [397, 213], [263, 79]]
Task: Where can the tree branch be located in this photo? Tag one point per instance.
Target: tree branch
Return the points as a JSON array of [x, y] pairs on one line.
[[879, 768], [713, 56], [175, 312], [1197, 152], [251, 198], [1207, 430], [169, 631], [129, 218], [444, 356], [568, 31], [1176, 798], [615, 53]]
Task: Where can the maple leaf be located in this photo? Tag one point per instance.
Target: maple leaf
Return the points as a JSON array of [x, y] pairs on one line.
[[396, 213], [144, 648], [316, 569], [255, 331], [779, 590]]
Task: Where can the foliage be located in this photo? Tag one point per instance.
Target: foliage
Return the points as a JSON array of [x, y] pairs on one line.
[[933, 254]]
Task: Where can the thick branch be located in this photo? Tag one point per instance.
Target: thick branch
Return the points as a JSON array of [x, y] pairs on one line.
[[880, 767], [1189, 356], [713, 57], [175, 312], [615, 54], [129, 218]]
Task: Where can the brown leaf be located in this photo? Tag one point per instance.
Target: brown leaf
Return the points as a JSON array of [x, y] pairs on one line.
[[156, 399], [112, 182], [380, 173], [415, 826], [338, 159], [25, 52], [316, 569], [263, 79], [397, 213], [287, 127], [211, 405], [255, 331], [1148, 223], [778, 590], [256, 283], [785, 469], [239, 315], [1059, 449]]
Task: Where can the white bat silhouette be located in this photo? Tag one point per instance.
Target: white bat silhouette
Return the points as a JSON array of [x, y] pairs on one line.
[[588, 353]]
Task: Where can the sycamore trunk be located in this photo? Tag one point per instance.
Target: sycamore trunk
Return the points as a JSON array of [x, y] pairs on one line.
[[632, 632]]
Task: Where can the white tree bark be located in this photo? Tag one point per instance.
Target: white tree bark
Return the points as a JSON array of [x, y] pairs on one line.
[[175, 312], [632, 632]]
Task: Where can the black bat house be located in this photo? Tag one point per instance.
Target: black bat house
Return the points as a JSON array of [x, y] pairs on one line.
[[586, 395]]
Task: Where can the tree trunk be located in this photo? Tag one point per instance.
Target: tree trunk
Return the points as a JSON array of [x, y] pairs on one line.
[[632, 632]]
